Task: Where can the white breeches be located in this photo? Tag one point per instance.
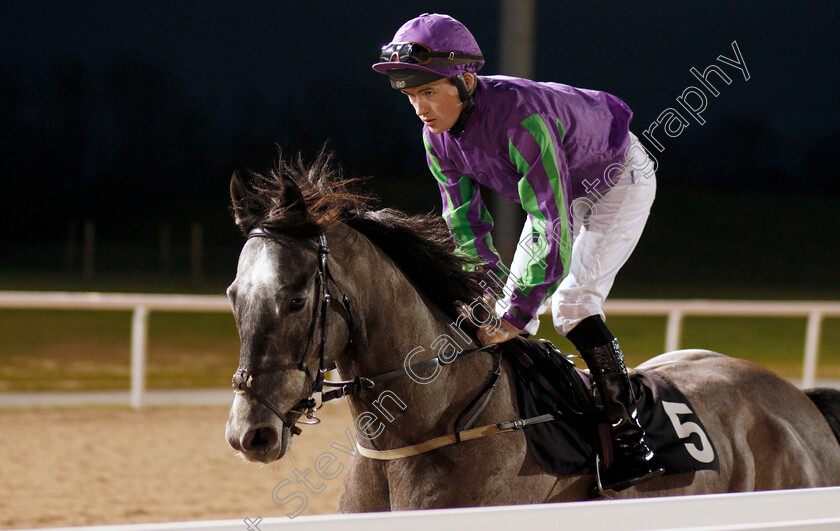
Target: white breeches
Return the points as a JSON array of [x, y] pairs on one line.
[[607, 227]]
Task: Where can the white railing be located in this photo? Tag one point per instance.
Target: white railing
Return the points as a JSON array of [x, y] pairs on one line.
[[815, 311], [803, 509], [141, 305]]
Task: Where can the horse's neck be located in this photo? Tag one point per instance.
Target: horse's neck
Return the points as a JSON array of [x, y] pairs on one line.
[[396, 324], [393, 318]]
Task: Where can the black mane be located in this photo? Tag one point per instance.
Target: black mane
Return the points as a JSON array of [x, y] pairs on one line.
[[420, 245]]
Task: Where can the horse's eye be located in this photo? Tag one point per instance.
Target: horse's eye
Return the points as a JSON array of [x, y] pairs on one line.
[[297, 304]]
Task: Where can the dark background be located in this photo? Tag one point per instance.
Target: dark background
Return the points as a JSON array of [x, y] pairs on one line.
[[133, 115]]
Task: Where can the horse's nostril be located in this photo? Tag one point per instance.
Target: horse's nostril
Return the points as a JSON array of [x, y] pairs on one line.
[[259, 440], [234, 443]]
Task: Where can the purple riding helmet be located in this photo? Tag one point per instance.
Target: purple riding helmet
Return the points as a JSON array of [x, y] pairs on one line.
[[428, 48]]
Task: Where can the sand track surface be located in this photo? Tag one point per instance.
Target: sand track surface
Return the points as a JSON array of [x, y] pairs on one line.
[[110, 466]]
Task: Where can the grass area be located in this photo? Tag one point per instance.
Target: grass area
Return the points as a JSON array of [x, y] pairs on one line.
[[89, 350]]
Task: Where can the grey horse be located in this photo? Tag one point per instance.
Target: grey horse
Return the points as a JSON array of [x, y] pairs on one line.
[[394, 282]]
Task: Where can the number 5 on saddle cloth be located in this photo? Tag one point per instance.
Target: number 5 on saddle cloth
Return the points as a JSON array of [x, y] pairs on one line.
[[549, 383]]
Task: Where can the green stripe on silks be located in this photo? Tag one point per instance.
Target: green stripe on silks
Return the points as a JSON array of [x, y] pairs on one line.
[[537, 126], [561, 131], [456, 218], [434, 164], [534, 272], [468, 189]]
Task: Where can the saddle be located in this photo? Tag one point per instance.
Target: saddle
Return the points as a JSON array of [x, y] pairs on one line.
[[548, 382]]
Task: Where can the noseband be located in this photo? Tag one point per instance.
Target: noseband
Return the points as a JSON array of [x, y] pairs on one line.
[[243, 378]]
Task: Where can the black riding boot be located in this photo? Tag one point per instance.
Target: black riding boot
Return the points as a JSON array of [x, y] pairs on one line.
[[633, 460]]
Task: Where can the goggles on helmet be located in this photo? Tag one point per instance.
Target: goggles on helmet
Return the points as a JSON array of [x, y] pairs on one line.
[[420, 54]]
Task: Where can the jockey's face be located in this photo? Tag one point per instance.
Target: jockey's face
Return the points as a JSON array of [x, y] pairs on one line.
[[437, 103]]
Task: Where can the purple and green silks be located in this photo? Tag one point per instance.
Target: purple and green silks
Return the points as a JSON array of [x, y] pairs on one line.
[[541, 145]]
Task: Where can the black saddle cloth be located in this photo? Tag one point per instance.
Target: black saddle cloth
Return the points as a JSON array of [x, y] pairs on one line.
[[549, 383]]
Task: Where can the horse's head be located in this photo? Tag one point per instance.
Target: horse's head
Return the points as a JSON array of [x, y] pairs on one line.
[[288, 335], [397, 268]]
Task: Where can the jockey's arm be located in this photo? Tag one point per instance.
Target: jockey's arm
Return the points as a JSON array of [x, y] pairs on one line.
[[537, 153], [465, 213]]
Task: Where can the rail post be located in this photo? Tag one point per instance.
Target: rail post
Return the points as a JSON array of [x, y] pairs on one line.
[[673, 331], [812, 345], [139, 334]]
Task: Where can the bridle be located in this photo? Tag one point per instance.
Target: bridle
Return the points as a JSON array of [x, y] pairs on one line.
[[243, 378], [308, 406]]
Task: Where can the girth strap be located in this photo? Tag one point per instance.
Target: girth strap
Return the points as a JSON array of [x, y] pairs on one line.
[[447, 440], [477, 405]]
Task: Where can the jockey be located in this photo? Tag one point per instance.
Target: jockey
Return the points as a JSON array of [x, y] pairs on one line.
[[566, 155]]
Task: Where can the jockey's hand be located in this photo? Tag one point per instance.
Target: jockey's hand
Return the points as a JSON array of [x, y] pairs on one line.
[[496, 330], [504, 332]]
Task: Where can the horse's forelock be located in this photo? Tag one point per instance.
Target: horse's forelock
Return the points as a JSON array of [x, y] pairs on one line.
[[296, 197]]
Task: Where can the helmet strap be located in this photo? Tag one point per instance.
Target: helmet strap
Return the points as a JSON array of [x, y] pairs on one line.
[[466, 95], [464, 92]]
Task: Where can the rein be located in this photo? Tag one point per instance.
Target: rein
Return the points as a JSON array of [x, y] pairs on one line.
[[452, 438], [351, 387]]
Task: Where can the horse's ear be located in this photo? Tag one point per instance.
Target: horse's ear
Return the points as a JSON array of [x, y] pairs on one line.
[[291, 197], [240, 197]]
